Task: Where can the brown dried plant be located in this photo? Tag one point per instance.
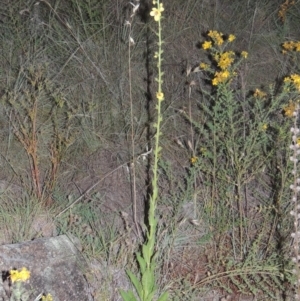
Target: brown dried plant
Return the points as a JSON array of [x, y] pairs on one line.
[[41, 122]]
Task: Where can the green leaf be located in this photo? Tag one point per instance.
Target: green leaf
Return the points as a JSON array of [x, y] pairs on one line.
[[150, 296], [148, 282], [163, 297], [142, 262], [128, 296], [146, 253], [136, 283], [210, 125]]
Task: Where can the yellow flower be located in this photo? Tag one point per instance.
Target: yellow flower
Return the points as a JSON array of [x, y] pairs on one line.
[[289, 46], [244, 54], [231, 38], [298, 141], [295, 78], [216, 36], [297, 46], [225, 59], [156, 12], [203, 66], [206, 45], [23, 275], [193, 160], [48, 297], [259, 94], [264, 127], [160, 96], [289, 109], [220, 77]]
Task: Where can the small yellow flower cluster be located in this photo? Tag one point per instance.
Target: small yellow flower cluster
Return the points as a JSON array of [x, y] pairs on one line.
[[244, 54], [48, 297], [231, 37], [204, 66], [293, 79], [22, 275], [217, 37], [290, 46], [220, 77], [264, 127], [156, 11], [284, 8], [289, 109], [160, 96], [225, 59], [206, 45], [259, 94], [194, 160]]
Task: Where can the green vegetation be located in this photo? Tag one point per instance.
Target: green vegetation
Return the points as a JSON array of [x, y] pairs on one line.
[[160, 136]]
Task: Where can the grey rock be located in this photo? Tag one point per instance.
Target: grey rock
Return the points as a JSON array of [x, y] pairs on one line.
[[55, 264]]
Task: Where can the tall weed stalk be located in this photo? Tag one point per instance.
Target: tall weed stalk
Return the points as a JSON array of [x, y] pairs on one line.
[[146, 286]]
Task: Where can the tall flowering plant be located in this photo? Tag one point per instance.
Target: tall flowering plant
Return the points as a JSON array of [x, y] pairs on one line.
[[145, 287]]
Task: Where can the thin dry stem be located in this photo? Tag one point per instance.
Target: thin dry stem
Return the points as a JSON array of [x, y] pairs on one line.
[[132, 165]]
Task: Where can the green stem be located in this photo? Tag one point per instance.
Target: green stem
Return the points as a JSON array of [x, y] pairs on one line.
[[159, 119]]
